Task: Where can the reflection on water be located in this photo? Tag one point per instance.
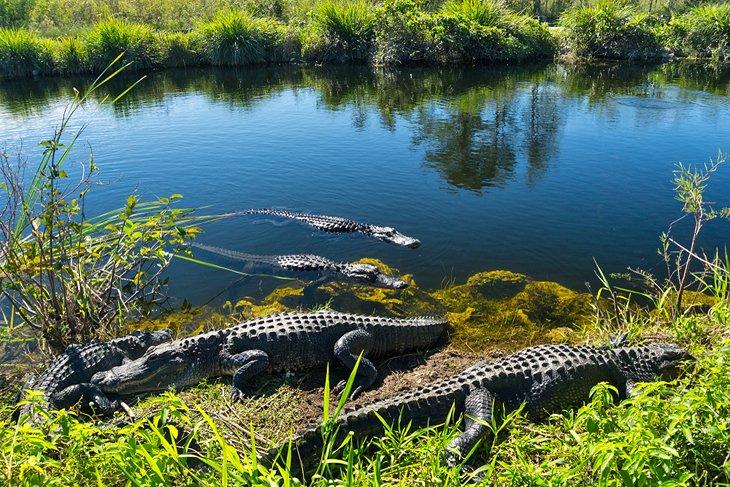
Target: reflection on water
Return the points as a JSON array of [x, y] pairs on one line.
[[536, 168]]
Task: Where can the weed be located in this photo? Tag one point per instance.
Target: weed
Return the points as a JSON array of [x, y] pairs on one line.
[[111, 37]]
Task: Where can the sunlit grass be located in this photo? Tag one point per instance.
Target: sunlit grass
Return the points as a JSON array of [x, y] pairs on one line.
[[111, 37], [22, 53], [235, 38]]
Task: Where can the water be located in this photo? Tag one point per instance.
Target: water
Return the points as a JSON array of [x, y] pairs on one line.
[[535, 169]]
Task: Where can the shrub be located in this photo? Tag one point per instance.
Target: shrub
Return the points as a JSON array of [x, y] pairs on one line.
[[235, 38], [22, 53], [111, 37], [402, 33], [611, 30], [704, 31], [341, 30]]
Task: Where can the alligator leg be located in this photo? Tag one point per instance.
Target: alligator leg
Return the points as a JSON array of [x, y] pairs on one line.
[[347, 349], [478, 408], [246, 365], [89, 397]]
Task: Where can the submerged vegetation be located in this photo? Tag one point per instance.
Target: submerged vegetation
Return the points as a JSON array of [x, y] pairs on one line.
[[46, 37]]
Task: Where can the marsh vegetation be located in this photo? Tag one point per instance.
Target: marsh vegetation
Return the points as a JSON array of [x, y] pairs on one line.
[[47, 37]]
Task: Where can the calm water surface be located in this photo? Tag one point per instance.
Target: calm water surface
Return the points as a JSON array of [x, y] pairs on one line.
[[534, 169]]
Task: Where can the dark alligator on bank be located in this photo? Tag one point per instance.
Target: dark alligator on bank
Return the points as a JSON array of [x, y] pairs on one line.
[[336, 224], [66, 381], [360, 273], [546, 379], [287, 341]]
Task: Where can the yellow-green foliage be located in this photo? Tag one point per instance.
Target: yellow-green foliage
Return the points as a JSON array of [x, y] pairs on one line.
[[22, 53], [704, 31], [70, 56], [111, 37], [235, 38], [613, 30], [340, 31]]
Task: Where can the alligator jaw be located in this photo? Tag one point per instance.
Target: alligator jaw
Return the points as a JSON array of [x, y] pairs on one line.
[[149, 373], [391, 235]]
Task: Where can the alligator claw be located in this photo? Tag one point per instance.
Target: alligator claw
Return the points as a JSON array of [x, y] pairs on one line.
[[340, 388], [237, 394]]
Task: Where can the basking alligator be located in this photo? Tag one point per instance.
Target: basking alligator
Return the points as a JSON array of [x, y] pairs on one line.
[[66, 380], [335, 224], [287, 341], [364, 273], [546, 379]]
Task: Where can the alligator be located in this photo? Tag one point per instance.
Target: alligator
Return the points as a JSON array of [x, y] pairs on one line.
[[286, 341], [66, 380], [336, 224], [361, 273], [542, 379]]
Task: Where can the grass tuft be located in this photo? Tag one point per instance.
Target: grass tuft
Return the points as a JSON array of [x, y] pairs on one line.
[[235, 38], [704, 31], [111, 37], [22, 53]]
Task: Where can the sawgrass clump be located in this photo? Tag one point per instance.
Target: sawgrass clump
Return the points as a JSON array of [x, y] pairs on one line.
[[235, 38], [704, 31], [111, 37], [22, 53], [611, 30], [339, 31]]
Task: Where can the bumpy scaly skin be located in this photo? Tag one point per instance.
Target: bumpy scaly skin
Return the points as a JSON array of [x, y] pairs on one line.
[[335, 224], [287, 341], [66, 381], [362, 273], [548, 378]]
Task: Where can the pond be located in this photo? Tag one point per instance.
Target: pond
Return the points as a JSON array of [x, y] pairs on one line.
[[537, 169]]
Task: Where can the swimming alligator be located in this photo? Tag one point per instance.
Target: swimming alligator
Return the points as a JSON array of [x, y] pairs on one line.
[[66, 380], [336, 224], [362, 273], [287, 341], [546, 379]]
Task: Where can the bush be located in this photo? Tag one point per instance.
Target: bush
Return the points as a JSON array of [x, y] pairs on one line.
[[402, 33], [235, 38], [340, 31], [111, 37], [611, 30], [704, 32], [22, 53]]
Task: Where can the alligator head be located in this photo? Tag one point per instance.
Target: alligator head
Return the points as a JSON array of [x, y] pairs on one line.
[[391, 235], [370, 274], [161, 367], [665, 359]]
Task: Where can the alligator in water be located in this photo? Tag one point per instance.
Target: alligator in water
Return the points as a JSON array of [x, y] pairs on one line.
[[361, 273], [546, 379], [287, 341], [66, 380], [335, 224]]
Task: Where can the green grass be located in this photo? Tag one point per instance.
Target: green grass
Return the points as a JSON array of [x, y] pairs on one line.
[[611, 30], [111, 37], [704, 31], [488, 13], [340, 31], [235, 38], [22, 53]]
